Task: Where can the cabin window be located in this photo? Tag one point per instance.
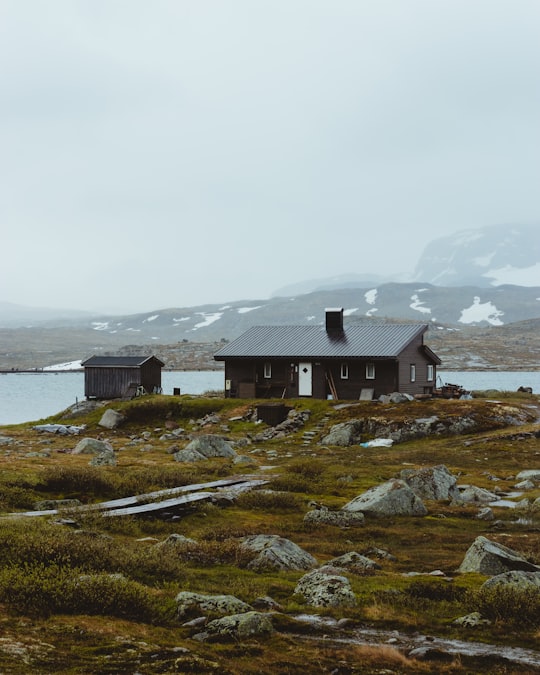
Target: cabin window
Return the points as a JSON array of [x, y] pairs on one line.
[[370, 371], [267, 369], [430, 373], [413, 372], [344, 371]]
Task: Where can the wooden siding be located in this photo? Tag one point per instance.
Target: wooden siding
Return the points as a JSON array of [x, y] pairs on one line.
[[414, 355], [114, 382]]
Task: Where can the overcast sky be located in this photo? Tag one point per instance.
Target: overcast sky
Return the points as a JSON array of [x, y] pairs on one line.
[[168, 153]]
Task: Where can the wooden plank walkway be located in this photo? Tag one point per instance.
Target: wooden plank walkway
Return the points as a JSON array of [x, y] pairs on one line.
[[154, 502]]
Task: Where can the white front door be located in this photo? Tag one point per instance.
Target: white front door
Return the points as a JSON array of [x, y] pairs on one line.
[[304, 379]]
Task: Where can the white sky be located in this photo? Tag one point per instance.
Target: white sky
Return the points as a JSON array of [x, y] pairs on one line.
[[166, 153]]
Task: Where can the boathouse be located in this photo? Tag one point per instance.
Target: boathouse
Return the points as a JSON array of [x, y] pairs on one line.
[[360, 361], [107, 377]]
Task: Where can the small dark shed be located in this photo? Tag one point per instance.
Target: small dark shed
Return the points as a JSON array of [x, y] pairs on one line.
[[359, 361], [121, 376]]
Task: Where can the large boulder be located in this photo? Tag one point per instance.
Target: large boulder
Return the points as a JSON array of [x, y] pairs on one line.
[[91, 446], [393, 498], [187, 455], [529, 474], [197, 604], [344, 434], [210, 445], [238, 627], [277, 553], [111, 419], [470, 494], [490, 558], [326, 588], [517, 579], [434, 482]]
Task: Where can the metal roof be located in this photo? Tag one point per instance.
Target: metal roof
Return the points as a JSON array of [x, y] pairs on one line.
[[119, 361], [367, 341]]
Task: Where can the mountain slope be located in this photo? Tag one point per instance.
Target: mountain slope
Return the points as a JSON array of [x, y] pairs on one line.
[[489, 256]]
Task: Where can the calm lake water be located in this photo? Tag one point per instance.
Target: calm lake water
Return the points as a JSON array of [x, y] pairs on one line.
[[26, 397]]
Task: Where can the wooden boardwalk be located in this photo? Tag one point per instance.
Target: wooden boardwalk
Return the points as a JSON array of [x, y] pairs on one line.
[[154, 503]]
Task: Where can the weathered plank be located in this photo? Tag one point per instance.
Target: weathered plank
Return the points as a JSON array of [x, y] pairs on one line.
[[242, 482]]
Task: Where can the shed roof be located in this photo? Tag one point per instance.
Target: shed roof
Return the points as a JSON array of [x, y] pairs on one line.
[[119, 361], [368, 341]]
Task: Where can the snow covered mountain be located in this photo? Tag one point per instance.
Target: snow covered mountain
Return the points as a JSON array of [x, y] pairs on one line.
[[489, 256]]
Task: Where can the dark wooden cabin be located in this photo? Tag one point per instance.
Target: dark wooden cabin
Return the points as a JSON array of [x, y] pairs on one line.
[[108, 377], [322, 361]]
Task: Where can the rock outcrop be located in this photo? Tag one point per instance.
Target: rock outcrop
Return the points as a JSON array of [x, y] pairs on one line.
[[490, 558], [435, 482], [393, 498], [326, 588], [278, 553]]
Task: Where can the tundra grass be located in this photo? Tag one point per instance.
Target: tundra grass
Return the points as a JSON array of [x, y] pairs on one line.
[[43, 560]]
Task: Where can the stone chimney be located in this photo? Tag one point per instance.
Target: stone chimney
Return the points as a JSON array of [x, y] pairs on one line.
[[334, 320]]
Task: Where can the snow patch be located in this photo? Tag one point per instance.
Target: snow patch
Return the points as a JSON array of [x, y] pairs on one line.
[[184, 318], [417, 304], [371, 312], [100, 325], [245, 310], [133, 330], [208, 319], [348, 312], [70, 365], [151, 318], [481, 312], [371, 296]]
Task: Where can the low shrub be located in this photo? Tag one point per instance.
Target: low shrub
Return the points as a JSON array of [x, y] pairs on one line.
[[43, 590], [268, 500], [508, 604]]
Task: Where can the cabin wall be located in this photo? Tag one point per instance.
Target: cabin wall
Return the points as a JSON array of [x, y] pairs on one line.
[[109, 382], [247, 378], [151, 376], [414, 355]]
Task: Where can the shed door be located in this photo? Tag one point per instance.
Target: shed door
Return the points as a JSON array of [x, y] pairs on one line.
[[304, 379]]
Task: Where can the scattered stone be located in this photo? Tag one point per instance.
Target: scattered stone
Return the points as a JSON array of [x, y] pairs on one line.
[[238, 627], [267, 603], [470, 494], [92, 446], [516, 579], [210, 445], [490, 558], [485, 514], [326, 588], [529, 474], [195, 604], [525, 485], [107, 458], [111, 419], [472, 620], [393, 498], [177, 540], [338, 518], [188, 455], [354, 562], [431, 482], [277, 553]]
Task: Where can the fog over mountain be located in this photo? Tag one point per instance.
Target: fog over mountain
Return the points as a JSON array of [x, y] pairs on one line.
[[486, 276]]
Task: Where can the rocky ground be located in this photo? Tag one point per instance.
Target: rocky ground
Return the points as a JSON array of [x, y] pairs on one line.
[[397, 537]]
